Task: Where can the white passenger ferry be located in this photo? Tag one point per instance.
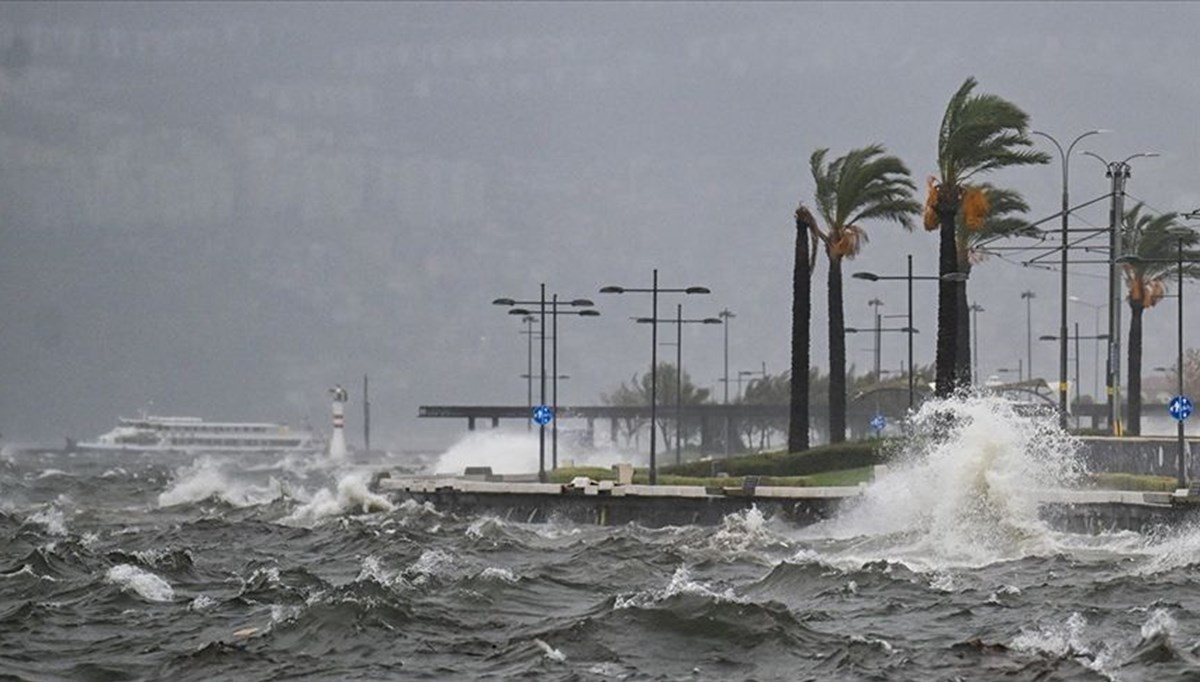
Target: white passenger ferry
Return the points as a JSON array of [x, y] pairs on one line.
[[193, 435]]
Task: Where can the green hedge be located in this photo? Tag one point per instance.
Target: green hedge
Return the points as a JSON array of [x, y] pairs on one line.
[[813, 461]]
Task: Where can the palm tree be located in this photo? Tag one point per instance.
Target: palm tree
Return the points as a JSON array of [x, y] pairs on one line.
[[801, 336], [1154, 241], [1001, 222], [979, 134], [865, 184]]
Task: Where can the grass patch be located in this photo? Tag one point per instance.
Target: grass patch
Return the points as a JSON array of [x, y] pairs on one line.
[[1118, 481], [642, 477]]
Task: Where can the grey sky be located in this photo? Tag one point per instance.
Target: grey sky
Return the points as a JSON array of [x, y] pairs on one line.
[[226, 208]]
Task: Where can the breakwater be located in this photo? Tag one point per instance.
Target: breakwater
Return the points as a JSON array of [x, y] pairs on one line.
[[606, 504]]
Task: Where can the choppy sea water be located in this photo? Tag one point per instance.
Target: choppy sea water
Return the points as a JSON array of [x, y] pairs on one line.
[[147, 568]]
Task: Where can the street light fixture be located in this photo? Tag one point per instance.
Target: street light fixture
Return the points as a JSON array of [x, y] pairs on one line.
[[1077, 338], [679, 322], [909, 277], [1028, 297], [726, 315], [541, 303], [555, 376], [975, 309], [1095, 330], [654, 291], [1065, 157]]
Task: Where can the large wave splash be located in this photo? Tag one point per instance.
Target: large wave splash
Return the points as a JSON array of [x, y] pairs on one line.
[[963, 489], [508, 452]]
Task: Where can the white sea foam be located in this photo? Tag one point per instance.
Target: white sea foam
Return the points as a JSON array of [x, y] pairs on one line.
[[212, 477], [350, 497], [202, 602], [147, 585], [550, 652], [52, 519], [433, 563], [741, 534], [681, 583], [498, 574], [963, 493]]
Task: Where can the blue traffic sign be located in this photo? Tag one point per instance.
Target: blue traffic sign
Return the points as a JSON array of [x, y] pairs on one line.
[[542, 414], [878, 422], [1180, 407]]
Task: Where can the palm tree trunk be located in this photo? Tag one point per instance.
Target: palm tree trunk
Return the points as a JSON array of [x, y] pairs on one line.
[[1134, 419], [947, 378], [837, 353], [801, 341], [962, 352]]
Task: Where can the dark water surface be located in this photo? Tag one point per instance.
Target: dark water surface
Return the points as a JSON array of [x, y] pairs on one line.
[[136, 567]]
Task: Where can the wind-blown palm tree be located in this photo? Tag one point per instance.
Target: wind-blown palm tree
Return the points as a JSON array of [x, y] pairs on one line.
[[979, 134], [866, 184], [1001, 222], [1154, 242], [801, 335]]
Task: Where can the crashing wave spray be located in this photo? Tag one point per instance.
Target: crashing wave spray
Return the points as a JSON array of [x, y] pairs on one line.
[[511, 452], [963, 491]]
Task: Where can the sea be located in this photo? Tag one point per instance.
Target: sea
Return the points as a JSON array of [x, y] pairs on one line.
[[207, 567]]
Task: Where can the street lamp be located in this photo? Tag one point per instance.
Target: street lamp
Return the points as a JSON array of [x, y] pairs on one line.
[[679, 322], [1118, 172], [555, 376], [654, 291], [1077, 338], [1065, 157], [909, 277], [1028, 297], [743, 373], [876, 303], [528, 376], [1179, 260], [726, 315], [541, 303], [975, 309], [1095, 330]]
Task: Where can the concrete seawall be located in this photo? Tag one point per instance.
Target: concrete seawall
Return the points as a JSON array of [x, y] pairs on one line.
[[1078, 511]]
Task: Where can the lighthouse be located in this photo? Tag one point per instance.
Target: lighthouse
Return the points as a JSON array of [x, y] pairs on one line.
[[337, 444]]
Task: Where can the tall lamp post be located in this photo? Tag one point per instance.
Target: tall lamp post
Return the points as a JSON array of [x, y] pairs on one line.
[[909, 277], [679, 322], [975, 309], [1179, 261], [876, 304], [725, 316], [528, 332], [541, 303], [555, 376], [1065, 157], [1028, 297], [1077, 338], [1095, 330], [654, 291], [1118, 172]]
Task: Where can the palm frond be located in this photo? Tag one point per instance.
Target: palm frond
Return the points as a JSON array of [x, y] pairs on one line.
[[982, 133]]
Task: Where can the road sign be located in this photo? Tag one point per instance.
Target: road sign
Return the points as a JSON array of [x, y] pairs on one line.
[[1180, 407], [878, 422], [542, 414]]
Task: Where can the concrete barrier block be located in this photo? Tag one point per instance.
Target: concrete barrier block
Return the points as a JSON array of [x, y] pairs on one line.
[[624, 472]]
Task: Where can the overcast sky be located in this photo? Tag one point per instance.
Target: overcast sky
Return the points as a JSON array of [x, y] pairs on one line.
[[221, 210]]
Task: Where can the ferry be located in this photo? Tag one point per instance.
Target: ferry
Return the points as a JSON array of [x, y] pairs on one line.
[[151, 434]]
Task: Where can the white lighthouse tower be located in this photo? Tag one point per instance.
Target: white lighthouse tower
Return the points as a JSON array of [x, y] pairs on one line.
[[337, 443]]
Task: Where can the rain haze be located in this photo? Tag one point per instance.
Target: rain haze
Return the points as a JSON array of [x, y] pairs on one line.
[[222, 210]]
